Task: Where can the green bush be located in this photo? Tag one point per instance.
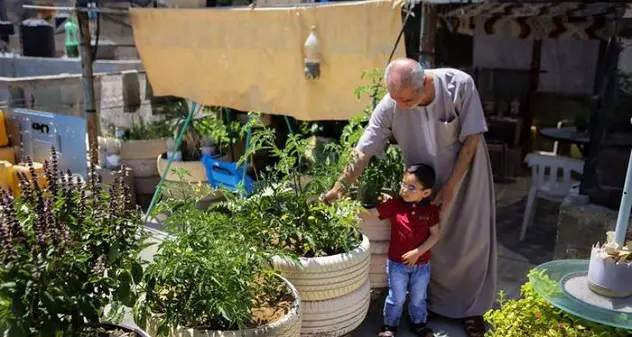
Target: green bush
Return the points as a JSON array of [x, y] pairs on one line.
[[531, 315]]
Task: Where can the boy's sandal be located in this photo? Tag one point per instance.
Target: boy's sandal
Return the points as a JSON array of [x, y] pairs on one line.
[[386, 334], [423, 331], [474, 326]]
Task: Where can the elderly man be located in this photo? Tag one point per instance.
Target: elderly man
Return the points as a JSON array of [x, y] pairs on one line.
[[437, 118]]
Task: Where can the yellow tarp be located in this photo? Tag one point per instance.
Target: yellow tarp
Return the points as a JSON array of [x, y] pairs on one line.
[[252, 59]]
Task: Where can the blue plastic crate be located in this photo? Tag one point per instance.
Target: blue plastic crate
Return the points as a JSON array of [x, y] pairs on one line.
[[223, 174]]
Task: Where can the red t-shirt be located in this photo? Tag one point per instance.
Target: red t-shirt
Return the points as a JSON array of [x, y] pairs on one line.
[[410, 226]]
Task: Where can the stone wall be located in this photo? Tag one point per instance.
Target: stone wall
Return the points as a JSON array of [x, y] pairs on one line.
[[581, 225]]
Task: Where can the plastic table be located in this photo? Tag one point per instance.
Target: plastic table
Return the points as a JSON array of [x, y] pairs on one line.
[[551, 289]]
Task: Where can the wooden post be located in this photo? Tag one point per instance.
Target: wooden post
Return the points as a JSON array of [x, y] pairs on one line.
[[87, 80], [534, 80], [427, 36]]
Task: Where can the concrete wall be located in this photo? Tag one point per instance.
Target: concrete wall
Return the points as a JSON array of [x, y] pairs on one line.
[[41, 66]]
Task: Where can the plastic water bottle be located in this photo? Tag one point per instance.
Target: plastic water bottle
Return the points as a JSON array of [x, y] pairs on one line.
[[71, 44]]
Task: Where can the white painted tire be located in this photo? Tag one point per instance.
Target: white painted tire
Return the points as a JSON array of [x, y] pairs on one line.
[[380, 247], [336, 317], [288, 326], [327, 277], [378, 280], [376, 230]]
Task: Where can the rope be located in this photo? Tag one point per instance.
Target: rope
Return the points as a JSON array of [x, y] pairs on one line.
[[158, 192]]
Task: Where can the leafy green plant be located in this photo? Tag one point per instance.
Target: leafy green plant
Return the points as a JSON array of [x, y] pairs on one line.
[[532, 315], [209, 273], [149, 130], [289, 212], [67, 250]]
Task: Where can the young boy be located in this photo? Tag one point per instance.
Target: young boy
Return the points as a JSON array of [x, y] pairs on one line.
[[414, 230]]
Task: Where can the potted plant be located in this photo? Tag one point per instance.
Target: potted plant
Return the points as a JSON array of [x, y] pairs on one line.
[[331, 257], [531, 315], [204, 124], [68, 250], [210, 277], [139, 148]]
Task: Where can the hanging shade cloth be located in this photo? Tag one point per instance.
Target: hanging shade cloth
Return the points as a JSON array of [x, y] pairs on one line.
[[253, 59], [564, 20]]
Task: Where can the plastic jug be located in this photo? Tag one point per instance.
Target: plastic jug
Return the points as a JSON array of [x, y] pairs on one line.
[[6, 175], [7, 154], [4, 137], [23, 168]]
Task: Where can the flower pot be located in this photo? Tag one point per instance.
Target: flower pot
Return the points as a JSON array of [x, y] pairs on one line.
[[287, 326], [607, 277], [379, 233], [140, 156], [329, 287]]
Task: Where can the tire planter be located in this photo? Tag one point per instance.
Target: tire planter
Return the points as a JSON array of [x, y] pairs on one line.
[[329, 287], [140, 156], [137, 331], [288, 326], [379, 233]]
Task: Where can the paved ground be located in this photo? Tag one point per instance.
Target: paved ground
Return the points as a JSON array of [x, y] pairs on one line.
[[515, 258]]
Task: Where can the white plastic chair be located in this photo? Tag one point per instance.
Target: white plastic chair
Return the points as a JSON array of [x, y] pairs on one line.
[[546, 182], [560, 124]]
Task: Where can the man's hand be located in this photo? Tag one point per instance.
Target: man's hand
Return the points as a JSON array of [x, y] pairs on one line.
[[444, 197], [331, 195], [410, 258]]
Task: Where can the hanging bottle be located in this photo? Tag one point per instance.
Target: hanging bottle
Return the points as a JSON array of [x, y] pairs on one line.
[[312, 55], [71, 44]]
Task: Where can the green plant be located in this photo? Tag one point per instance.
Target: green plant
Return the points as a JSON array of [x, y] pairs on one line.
[[532, 315], [149, 130], [209, 273], [288, 212], [67, 250]]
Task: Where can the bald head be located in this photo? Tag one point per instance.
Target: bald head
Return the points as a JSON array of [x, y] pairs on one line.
[[404, 73]]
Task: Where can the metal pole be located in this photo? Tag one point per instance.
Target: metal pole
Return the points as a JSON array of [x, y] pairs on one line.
[[87, 80], [623, 218]]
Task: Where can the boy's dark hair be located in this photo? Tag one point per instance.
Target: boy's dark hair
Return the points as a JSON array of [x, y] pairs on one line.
[[424, 174]]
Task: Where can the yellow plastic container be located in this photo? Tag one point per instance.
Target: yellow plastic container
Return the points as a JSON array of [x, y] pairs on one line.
[[6, 175], [4, 137], [8, 154], [22, 167]]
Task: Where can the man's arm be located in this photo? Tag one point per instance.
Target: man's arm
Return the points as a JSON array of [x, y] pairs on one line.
[[352, 171], [464, 159]]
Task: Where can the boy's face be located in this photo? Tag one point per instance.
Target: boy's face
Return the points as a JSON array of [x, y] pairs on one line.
[[412, 190]]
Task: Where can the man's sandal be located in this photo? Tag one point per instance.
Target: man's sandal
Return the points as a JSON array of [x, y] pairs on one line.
[[474, 326], [421, 330]]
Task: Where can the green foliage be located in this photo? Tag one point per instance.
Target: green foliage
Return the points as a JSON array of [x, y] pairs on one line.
[[289, 211], [67, 250], [532, 315], [149, 130], [209, 272]]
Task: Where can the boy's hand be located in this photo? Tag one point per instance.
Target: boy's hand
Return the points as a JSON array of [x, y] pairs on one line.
[[410, 258]]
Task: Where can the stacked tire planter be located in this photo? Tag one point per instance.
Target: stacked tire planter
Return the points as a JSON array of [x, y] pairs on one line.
[[140, 156], [335, 290], [379, 233], [288, 326]]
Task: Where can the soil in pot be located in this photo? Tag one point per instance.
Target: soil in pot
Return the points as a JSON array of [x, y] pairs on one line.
[[273, 300]]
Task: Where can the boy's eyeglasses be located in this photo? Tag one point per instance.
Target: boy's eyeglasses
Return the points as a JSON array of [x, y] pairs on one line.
[[409, 188]]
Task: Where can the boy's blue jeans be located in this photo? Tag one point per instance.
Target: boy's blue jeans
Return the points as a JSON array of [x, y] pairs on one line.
[[402, 278]]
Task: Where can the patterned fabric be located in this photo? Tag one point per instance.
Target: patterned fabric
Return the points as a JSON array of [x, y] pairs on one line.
[[568, 20]]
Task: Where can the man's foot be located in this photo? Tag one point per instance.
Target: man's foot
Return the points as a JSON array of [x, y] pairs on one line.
[[388, 331], [421, 330], [474, 326]]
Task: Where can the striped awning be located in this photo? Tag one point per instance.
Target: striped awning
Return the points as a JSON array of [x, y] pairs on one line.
[[571, 20]]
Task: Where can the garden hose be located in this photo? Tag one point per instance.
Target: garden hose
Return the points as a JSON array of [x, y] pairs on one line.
[[158, 191]]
